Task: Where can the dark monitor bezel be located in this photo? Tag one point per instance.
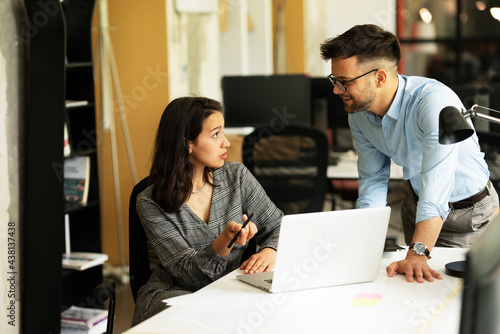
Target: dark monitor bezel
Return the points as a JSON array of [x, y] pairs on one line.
[[481, 294], [266, 100]]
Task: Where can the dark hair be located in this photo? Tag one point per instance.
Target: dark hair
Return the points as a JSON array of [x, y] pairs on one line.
[[369, 42], [171, 171]]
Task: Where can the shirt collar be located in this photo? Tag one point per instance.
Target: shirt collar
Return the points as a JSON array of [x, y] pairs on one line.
[[395, 107]]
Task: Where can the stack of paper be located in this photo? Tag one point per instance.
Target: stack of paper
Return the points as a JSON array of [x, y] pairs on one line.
[[79, 320], [83, 260]]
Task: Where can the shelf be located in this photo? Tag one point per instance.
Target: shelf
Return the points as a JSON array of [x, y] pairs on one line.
[[89, 151], [79, 64], [80, 118], [75, 207], [78, 104]]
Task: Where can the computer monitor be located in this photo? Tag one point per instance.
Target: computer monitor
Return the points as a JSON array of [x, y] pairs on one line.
[[481, 294], [485, 96], [266, 100], [328, 110], [494, 92]]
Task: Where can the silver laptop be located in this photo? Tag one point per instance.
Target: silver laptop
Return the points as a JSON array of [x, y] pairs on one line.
[[325, 249]]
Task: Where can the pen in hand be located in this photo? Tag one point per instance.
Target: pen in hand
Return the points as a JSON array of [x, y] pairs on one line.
[[238, 234]]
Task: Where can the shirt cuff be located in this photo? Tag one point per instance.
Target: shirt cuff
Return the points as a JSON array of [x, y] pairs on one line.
[[427, 210]]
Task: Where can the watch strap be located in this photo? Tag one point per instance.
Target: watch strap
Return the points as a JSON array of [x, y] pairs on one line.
[[426, 250]]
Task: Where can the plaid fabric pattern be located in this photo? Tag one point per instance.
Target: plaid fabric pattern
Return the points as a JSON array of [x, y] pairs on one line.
[[183, 242]]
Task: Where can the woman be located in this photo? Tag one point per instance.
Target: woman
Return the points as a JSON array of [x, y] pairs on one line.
[[197, 204]]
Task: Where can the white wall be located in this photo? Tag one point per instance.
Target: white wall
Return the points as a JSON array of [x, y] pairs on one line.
[[12, 64], [199, 53], [246, 38], [260, 38], [330, 18], [193, 52], [234, 39]]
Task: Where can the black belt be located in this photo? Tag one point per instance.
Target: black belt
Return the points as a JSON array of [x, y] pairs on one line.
[[468, 202]]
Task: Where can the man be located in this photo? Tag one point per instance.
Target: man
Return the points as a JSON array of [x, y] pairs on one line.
[[396, 116]]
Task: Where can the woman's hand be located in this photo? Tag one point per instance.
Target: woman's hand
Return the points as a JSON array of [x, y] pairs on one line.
[[232, 228], [262, 261], [246, 234]]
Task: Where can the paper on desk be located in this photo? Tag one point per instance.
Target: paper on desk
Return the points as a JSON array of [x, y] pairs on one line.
[[216, 297], [265, 317], [219, 292], [184, 320]]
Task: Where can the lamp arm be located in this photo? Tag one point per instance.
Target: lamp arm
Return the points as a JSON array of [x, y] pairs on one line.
[[472, 113], [488, 118]]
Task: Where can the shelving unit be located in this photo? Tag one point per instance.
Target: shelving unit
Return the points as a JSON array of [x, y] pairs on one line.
[[79, 115], [42, 201]]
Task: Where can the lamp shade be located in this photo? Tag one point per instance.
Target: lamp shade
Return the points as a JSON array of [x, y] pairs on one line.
[[453, 127]]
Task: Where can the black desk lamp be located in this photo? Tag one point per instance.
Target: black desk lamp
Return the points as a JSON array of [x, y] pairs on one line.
[[454, 128]]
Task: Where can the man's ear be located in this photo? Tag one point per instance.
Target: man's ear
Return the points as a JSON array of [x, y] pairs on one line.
[[381, 76]]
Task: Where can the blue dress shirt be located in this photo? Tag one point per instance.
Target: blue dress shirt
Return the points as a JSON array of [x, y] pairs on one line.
[[408, 133]]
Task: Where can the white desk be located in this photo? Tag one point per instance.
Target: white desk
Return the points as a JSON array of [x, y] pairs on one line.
[[387, 305], [346, 168]]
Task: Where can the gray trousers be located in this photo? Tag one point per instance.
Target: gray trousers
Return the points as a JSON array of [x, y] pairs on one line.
[[462, 227]]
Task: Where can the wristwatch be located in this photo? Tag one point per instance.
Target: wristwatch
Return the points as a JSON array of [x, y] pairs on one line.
[[420, 249]]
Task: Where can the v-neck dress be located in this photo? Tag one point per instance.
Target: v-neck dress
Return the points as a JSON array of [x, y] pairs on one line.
[[183, 242]]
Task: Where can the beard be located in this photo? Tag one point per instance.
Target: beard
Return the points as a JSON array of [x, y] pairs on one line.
[[361, 103]]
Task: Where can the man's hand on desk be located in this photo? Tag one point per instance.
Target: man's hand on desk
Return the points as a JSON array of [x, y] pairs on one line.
[[413, 266], [262, 261]]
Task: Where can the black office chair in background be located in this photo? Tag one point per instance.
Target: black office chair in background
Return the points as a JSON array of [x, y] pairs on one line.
[[490, 145], [106, 291], [290, 163], [138, 243]]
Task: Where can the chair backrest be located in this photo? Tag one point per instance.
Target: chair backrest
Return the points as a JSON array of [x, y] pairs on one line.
[[290, 163], [106, 291], [138, 242]]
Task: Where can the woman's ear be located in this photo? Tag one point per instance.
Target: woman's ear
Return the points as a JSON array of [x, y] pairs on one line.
[[188, 144]]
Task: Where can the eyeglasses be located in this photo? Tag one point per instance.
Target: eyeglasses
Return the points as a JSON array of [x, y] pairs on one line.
[[342, 84]]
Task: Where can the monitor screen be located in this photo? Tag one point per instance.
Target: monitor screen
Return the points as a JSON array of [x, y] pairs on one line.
[[481, 294], [322, 90], [266, 100], [328, 109]]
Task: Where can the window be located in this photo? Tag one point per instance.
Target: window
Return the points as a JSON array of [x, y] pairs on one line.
[[454, 41]]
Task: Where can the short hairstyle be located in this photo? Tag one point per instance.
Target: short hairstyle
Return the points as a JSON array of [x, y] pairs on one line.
[[171, 172], [368, 42]]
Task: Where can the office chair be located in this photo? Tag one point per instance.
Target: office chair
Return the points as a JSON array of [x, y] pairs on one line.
[[290, 163], [346, 189], [138, 243], [490, 145], [103, 292]]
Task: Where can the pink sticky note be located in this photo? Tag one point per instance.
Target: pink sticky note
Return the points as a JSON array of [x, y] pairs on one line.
[[377, 296]]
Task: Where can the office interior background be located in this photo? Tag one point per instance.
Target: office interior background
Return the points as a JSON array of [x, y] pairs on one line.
[[166, 48]]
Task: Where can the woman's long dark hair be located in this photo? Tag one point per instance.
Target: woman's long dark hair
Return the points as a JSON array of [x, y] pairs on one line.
[[171, 171]]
